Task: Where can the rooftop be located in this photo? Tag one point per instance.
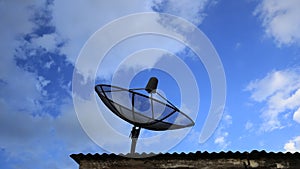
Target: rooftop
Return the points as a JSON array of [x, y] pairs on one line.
[[254, 159]]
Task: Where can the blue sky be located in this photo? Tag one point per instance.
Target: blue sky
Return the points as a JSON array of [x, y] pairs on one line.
[[258, 43]]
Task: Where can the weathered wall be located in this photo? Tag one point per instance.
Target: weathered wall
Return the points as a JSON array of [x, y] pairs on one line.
[[258, 160], [209, 164]]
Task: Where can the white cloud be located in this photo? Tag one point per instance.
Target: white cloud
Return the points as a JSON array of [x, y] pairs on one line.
[[296, 116], [77, 27], [221, 134], [228, 119], [82, 19], [69, 131], [133, 47], [33, 138], [221, 140], [270, 84], [248, 125], [191, 10], [281, 20], [280, 91], [28, 138], [293, 145], [14, 18], [48, 41]]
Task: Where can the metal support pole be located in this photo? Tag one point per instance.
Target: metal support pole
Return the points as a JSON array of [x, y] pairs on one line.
[[135, 132]]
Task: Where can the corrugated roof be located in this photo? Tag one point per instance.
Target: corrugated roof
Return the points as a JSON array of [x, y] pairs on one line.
[[253, 155]]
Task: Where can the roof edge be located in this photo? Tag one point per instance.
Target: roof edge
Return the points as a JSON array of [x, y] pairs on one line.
[[255, 154]]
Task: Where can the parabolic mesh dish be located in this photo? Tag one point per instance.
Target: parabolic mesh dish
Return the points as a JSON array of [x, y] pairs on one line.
[[141, 110]]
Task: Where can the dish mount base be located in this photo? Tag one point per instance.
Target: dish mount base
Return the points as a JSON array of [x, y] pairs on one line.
[[135, 132]]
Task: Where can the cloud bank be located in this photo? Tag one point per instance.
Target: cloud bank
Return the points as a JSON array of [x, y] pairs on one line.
[[280, 20], [280, 92], [42, 41], [293, 145]]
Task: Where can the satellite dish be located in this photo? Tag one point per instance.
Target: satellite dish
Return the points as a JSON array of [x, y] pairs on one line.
[[143, 108]]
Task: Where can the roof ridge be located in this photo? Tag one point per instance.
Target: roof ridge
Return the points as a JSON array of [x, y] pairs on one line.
[[254, 154]]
